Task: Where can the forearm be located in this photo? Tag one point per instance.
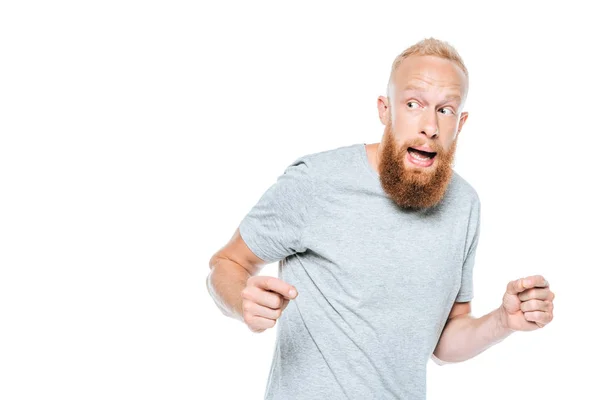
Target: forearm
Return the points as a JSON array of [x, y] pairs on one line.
[[466, 336], [225, 283]]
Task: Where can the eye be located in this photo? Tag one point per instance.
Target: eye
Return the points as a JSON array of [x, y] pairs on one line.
[[449, 111], [411, 102]]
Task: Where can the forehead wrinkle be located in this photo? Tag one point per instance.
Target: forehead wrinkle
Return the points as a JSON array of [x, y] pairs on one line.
[[426, 79], [450, 97], [420, 87], [421, 84], [420, 81]]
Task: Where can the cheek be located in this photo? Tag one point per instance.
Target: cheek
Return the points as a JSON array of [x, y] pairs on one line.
[[449, 130], [449, 124], [405, 125], [406, 117], [449, 145]]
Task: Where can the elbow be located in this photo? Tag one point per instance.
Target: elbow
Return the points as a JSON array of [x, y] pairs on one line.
[[215, 298], [208, 284], [213, 261], [440, 361], [210, 289]]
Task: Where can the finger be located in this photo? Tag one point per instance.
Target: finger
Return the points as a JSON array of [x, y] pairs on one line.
[[519, 285], [535, 305], [516, 286], [269, 299], [259, 323], [278, 286], [537, 316], [262, 311], [262, 297], [540, 294], [285, 303], [536, 281]]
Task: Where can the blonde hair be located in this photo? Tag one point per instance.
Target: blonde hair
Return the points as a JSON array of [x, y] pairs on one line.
[[429, 47]]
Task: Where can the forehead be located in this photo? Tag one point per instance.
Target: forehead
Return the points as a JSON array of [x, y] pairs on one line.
[[429, 73]]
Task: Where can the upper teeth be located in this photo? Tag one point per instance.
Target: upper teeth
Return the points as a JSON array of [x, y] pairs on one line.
[[419, 156]]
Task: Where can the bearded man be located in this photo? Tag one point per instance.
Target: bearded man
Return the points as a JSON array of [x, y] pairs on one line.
[[376, 247]]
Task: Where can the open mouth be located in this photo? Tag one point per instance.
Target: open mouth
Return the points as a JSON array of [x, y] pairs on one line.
[[420, 154], [420, 157]]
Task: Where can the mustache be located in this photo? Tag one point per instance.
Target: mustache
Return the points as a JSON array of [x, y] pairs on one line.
[[417, 142]]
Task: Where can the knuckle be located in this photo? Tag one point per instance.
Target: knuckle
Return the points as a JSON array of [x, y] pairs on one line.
[[246, 292], [534, 315], [273, 302], [539, 305], [255, 329], [278, 302], [252, 280], [267, 301], [247, 318]]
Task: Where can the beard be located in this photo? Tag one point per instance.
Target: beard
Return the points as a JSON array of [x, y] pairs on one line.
[[417, 187]]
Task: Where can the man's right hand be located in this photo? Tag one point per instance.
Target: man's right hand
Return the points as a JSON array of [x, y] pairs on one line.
[[263, 300]]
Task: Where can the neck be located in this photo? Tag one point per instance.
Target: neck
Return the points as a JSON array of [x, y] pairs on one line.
[[374, 155]]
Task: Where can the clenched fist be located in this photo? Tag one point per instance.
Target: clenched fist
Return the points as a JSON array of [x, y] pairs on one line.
[[527, 304], [263, 300]]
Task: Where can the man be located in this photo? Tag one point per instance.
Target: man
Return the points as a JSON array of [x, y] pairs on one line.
[[376, 247]]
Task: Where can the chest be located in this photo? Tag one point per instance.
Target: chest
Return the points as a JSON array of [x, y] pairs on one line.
[[377, 257]]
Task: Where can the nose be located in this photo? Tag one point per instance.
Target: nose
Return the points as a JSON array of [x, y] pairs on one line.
[[429, 126]]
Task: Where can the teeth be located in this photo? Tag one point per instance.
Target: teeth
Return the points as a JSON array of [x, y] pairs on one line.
[[419, 156]]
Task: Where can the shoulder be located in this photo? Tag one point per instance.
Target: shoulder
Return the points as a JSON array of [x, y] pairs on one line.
[[463, 190], [462, 198], [324, 162]]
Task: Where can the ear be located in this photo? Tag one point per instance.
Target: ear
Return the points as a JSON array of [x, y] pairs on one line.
[[463, 119], [383, 108]]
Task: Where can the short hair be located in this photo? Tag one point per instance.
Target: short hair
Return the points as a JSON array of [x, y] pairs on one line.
[[429, 47]]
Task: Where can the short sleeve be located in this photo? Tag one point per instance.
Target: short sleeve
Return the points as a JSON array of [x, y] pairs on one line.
[[466, 292], [273, 229]]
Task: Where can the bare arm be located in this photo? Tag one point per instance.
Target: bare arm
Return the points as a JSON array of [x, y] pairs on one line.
[[238, 290], [230, 269], [465, 336], [527, 305]]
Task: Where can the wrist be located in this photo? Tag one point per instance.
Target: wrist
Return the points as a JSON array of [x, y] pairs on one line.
[[502, 321]]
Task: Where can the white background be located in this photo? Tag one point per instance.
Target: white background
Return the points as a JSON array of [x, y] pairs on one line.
[[136, 135]]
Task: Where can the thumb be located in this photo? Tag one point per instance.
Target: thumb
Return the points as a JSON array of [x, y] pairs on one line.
[[285, 303], [278, 286], [517, 286]]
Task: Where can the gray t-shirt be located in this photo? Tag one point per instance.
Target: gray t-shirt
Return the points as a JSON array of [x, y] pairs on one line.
[[376, 283]]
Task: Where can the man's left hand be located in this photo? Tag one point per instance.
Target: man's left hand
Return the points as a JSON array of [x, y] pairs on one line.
[[527, 304]]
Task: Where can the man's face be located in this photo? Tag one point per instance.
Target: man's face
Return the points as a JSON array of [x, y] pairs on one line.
[[423, 118]]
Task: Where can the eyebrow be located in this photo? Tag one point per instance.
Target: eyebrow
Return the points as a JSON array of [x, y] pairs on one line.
[[411, 87]]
